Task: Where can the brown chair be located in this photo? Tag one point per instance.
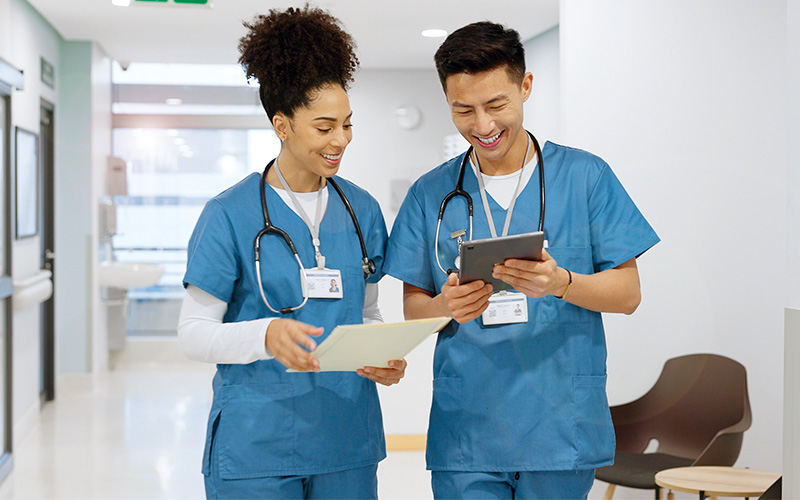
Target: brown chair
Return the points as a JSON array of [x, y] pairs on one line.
[[697, 410]]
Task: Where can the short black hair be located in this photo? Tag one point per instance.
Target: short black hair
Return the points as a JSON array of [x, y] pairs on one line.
[[479, 47], [295, 52]]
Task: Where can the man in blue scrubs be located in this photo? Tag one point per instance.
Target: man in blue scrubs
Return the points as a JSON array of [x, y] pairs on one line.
[[519, 401]]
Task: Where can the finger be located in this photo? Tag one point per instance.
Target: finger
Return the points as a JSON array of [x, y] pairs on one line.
[[385, 373], [476, 298], [378, 378]]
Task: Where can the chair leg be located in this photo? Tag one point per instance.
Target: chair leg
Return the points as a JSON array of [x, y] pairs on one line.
[[609, 492], [658, 493]]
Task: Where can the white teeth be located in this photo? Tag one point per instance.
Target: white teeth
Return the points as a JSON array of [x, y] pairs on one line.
[[332, 157], [490, 139]]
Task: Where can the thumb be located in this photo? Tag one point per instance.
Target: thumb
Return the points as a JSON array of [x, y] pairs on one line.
[[452, 279]]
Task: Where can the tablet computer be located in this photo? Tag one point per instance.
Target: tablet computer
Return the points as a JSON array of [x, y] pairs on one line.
[[478, 257]]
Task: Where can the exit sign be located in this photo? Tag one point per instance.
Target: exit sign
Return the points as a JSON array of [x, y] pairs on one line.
[[175, 2]]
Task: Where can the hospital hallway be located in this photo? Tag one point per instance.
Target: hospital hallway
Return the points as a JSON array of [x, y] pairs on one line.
[[137, 432]]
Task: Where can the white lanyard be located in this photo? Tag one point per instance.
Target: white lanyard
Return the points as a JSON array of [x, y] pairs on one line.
[[485, 200], [312, 228]]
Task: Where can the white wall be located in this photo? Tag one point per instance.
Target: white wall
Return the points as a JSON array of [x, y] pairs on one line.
[[791, 411], [28, 38], [685, 101], [543, 109]]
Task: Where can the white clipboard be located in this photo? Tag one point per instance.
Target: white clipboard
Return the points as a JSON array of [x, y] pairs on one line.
[[352, 347]]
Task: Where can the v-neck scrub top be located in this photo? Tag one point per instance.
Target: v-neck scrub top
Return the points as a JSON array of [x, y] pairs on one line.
[[264, 421], [526, 396]]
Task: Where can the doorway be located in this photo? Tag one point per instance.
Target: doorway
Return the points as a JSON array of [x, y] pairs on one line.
[[47, 389]]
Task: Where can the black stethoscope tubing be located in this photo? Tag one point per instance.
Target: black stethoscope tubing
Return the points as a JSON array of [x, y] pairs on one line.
[[459, 191], [367, 264]]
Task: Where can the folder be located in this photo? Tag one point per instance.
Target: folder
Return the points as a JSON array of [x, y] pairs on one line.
[[351, 347]]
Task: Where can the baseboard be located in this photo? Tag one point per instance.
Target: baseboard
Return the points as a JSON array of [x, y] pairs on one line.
[[25, 425], [405, 442]]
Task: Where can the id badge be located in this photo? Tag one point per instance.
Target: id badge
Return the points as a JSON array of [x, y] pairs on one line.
[[324, 283], [506, 307]]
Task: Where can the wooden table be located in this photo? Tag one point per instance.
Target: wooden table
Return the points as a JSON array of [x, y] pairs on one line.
[[717, 481]]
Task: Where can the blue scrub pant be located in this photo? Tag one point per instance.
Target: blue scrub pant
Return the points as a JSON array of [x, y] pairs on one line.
[[562, 485], [360, 483]]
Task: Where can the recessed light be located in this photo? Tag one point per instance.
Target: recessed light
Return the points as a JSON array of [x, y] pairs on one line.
[[174, 101], [434, 33], [121, 3]]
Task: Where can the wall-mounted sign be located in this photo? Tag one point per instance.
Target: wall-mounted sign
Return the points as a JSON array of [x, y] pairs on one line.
[[48, 74]]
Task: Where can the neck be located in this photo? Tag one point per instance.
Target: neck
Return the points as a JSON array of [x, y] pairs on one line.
[[512, 161], [299, 180]]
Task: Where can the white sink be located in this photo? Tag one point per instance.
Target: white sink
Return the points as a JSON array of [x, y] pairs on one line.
[[129, 274]]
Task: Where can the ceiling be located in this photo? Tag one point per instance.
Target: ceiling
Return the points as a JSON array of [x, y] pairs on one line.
[[387, 32]]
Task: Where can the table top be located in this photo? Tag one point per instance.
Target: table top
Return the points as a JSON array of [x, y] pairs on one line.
[[717, 481]]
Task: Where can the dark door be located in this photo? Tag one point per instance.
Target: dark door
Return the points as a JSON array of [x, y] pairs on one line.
[[47, 214]]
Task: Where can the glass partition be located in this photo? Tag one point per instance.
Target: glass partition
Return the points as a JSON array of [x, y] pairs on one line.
[[171, 173]]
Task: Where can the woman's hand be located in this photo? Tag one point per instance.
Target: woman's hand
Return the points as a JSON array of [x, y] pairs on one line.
[[284, 340], [385, 376]]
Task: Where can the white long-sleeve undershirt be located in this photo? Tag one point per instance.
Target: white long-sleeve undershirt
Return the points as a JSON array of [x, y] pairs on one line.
[[204, 337]]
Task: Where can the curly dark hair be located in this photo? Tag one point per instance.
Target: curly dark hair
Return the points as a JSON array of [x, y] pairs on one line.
[[294, 52], [479, 47]]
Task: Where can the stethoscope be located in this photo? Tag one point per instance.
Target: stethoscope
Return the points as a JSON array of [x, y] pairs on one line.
[[459, 191], [367, 264]]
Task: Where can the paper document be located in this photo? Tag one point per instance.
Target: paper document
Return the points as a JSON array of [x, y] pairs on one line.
[[351, 347]]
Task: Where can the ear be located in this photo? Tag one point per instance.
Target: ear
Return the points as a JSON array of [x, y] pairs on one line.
[[281, 125], [527, 85]]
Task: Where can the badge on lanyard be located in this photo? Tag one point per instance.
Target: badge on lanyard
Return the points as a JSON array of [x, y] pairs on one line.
[[324, 283], [506, 307]]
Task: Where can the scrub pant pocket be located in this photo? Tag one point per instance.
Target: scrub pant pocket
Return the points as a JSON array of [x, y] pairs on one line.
[[530, 485], [360, 483]]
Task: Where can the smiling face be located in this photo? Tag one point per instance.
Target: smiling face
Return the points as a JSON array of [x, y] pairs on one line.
[[314, 139], [486, 108]]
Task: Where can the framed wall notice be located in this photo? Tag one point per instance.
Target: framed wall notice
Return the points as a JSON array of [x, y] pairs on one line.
[[26, 148]]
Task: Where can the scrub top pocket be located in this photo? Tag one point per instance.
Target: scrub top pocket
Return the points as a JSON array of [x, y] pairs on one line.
[[593, 427], [253, 419], [444, 440]]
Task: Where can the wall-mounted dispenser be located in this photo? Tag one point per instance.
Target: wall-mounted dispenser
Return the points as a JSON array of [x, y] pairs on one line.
[[117, 177]]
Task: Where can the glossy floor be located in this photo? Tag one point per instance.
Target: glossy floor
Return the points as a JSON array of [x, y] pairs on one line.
[[137, 433]]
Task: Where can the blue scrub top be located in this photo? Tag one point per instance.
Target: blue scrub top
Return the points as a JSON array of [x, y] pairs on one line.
[[530, 396], [264, 421]]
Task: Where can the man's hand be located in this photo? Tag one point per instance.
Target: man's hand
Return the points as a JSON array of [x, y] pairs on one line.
[[284, 340], [464, 302], [533, 278]]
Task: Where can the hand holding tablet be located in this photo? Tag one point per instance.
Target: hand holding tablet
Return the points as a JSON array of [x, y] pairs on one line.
[[478, 257]]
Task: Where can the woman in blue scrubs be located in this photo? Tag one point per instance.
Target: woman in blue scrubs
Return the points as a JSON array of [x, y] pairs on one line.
[[273, 434], [519, 403]]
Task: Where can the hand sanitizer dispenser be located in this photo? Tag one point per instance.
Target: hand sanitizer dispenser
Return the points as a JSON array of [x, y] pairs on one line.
[[117, 177]]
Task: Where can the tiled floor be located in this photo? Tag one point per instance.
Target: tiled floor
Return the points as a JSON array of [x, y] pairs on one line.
[[137, 433]]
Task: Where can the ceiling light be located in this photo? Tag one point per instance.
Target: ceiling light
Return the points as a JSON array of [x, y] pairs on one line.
[[121, 3], [434, 33], [174, 101]]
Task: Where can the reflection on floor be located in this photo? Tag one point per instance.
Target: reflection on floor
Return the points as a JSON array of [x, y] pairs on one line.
[[137, 432]]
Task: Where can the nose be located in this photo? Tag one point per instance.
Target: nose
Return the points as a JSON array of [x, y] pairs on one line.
[[341, 137], [484, 123]]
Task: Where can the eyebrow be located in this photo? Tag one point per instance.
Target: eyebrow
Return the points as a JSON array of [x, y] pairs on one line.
[[499, 97], [329, 119]]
